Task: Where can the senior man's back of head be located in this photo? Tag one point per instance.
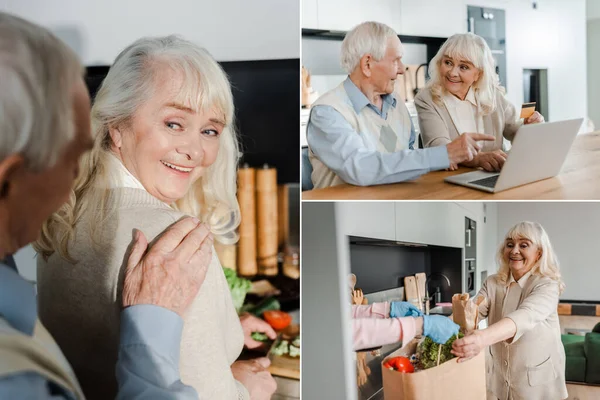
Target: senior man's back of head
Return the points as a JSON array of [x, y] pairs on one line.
[[44, 127]]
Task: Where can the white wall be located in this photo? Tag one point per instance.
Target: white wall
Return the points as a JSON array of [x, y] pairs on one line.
[[593, 62], [230, 29], [552, 37], [593, 9], [574, 231]]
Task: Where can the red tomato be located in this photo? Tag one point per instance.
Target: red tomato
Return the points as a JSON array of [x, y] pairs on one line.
[[401, 364], [277, 319]]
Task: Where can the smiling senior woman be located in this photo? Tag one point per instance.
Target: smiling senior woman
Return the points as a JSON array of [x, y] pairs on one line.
[[464, 95], [164, 147], [523, 337]]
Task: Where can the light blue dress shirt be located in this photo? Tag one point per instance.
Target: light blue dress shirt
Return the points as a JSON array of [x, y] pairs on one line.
[[335, 142], [148, 364]]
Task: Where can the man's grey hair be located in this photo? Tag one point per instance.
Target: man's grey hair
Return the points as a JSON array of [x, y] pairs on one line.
[[37, 75], [366, 38]]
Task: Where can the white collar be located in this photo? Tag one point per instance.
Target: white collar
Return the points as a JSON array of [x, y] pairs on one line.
[[521, 282], [470, 97], [119, 175]]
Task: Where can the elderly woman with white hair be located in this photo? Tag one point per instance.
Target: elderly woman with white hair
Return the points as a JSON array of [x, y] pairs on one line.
[[165, 147], [527, 358], [360, 133], [464, 95]]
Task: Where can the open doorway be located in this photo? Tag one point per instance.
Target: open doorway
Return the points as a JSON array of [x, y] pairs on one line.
[[535, 89]]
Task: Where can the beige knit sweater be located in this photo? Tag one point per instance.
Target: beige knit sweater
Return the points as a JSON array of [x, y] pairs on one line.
[[79, 304]]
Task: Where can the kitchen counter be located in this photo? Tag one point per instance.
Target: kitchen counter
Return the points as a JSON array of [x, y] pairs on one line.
[[579, 180]]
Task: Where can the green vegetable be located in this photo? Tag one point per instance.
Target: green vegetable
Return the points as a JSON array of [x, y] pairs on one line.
[[427, 352], [259, 337], [294, 351], [267, 304], [281, 348], [238, 287], [296, 342]]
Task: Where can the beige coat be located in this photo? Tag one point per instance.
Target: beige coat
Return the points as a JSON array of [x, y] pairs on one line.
[[532, 366], [438, 129]]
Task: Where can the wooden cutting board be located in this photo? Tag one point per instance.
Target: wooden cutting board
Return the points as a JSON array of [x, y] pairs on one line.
[[285, 366], [421, 278], [410, 289]]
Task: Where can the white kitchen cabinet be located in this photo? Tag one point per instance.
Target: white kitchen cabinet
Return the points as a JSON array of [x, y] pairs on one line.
[[439, 223], [310, 14], [343, 15], [437, 18], [369, 219]]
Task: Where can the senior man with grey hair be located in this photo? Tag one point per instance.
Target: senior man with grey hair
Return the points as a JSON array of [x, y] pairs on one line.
[[359, 133], [44, 129]]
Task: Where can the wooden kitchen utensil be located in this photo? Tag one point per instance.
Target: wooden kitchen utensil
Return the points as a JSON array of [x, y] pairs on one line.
[[266, 212], [410, 289], [421, 277], [247, 243]]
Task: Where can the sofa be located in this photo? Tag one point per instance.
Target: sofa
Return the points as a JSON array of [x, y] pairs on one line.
[[583, 357]]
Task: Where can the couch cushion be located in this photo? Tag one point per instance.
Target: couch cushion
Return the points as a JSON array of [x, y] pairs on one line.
[[566, 339], [592, 353]]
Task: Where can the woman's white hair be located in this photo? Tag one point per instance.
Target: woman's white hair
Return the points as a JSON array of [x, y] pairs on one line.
[[37, 74], [472, 48], [366, 38], [130, 82], [547, 265]]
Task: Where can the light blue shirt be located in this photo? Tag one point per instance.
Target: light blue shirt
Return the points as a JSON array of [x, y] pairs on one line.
[[336, 144], [148, 364]]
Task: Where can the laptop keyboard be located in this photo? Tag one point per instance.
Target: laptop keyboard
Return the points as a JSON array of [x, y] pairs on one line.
[[490, 181]]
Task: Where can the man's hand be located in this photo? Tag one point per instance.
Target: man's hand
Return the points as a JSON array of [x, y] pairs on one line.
[[250, 324], [491, 161], [254, 376], [465, 147], [170, 273]]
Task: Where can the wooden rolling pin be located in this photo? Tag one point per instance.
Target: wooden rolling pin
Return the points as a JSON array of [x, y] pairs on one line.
[[266, 212], [247, 244]]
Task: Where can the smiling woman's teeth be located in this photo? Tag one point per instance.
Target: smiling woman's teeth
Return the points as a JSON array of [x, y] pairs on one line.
[[176, 167]]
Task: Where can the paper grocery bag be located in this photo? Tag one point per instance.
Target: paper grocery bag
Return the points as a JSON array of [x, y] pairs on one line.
[[465, 312], [448, 381]]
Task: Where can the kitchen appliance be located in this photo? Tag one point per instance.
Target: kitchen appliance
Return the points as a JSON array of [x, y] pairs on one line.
[[525, 163], [470, 255], [490, 24]]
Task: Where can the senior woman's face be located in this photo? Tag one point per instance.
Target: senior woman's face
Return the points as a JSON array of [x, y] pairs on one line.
[[458, 76], [168, 146], [520, 254]]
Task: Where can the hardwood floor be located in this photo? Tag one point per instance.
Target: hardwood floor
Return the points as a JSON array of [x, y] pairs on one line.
[[583, 392]]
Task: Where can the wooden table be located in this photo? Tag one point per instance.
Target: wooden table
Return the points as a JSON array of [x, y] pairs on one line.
[[579, 179]]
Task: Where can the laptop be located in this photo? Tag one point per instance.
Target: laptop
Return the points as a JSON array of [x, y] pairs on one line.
[[538, 152]]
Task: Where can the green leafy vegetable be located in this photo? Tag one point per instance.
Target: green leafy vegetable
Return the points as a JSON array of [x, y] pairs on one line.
[[281, 348], [238, 287], [267, 304], [427, 352], [294, 351], [259, 337], [296, 341]]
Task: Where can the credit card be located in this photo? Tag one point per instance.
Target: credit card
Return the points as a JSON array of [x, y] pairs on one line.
[[527, 110]]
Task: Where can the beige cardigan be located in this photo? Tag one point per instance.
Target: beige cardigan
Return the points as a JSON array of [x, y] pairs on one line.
[[532, 366], [438, 129], [80, 304]]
